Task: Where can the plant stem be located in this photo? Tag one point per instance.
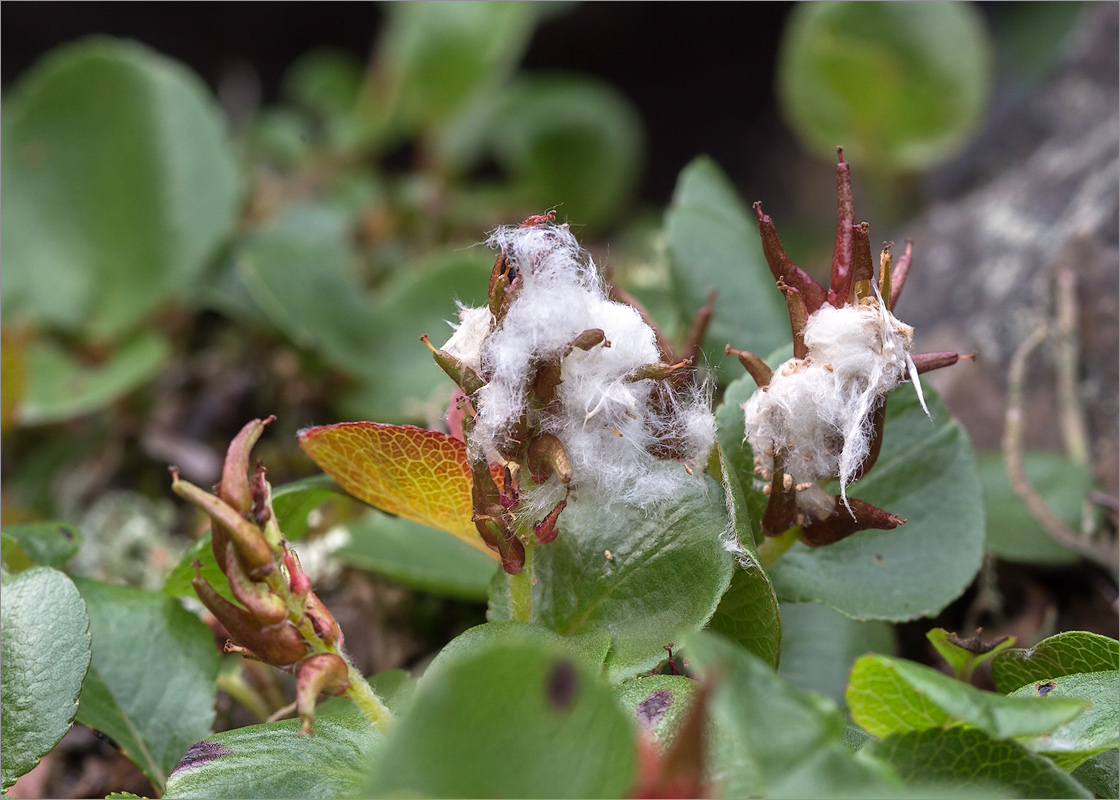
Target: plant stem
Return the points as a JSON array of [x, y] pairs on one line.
[[773, 547], [364, 698], [521, 590]]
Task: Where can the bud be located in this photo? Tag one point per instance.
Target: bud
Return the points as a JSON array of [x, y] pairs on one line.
[[318, 674], [820, 415]]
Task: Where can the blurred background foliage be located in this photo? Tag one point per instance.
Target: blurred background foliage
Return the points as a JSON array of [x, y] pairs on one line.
[[182, 254], [180, 257], [270, 229]]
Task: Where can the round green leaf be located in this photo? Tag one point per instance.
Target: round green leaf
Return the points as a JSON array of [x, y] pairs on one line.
[[1013, 533], [1095, 731], [119, 183], [514, 720], [900, 86], [927, 475], [714, 244], [1062, 654], [664, 577], [151, 683], [44, 635], [972, 762], [273, 760], [417, 556]]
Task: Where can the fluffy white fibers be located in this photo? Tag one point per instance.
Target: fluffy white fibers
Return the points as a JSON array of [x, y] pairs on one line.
[[817, 410], [608, 425]]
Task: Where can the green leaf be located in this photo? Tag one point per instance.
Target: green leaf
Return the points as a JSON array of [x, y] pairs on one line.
[[12, 557], [151, 683], [714, 244], [435, 55], [60, 387], [1013, 533], [731, 435], [964, 656], [659, 704], [748, 611], [293, 502], [44, 635], [890, 695], [119, 184], [569, 142], [324, 81], [925, 474], [589, 649], [834, 771], [178, 582], [394, 687], [768, 726], [51, 544], [417, 556], [1063, 654], [819, 647], [399, 379], [273, 760], [901, 87], [1099, 774], [971, 761], [297, 271], [512, 720], [1095, 731], [664, 578]]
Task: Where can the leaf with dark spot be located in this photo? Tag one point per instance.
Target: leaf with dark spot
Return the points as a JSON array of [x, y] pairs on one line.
[[200, 754], [1044, 689], [562, 685], [653, 708]]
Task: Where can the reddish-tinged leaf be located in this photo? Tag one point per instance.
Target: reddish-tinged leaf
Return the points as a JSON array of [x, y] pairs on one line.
[[411, 472]]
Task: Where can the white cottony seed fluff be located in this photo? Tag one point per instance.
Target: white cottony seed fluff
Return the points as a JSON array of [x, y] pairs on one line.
[[817, 410], [607, 424]]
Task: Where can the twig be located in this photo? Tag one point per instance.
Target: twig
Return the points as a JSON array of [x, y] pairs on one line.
[[1071, 415], [1102, 553]]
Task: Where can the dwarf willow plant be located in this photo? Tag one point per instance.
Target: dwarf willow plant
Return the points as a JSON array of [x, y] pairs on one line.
[[643, 553]]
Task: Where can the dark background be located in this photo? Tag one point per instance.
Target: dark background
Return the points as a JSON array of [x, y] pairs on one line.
[[700, 74]]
